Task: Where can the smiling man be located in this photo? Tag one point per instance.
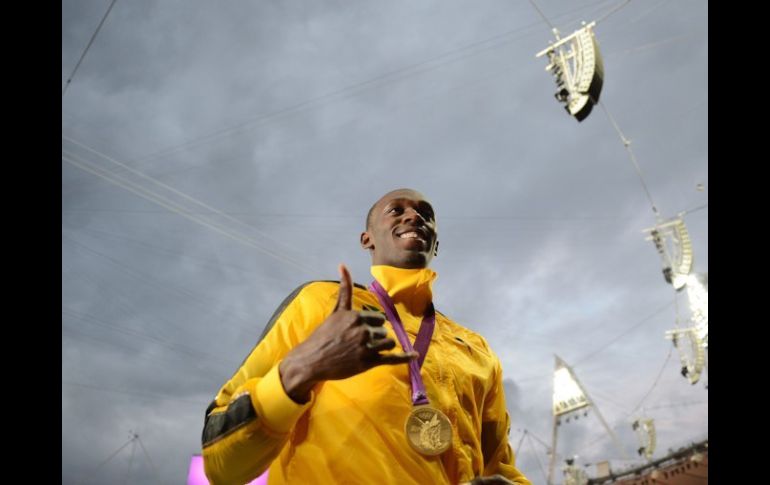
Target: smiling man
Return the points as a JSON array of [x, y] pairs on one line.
[[324, 398]]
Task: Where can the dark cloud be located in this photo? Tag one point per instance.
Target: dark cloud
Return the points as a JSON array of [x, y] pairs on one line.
[[291, 119]]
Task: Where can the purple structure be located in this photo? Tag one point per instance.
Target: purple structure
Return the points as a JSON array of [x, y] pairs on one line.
[[195, 475]]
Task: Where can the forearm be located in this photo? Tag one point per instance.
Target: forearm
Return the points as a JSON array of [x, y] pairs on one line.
[[499, 458], [297, 377], [244, 435], [241, 456]]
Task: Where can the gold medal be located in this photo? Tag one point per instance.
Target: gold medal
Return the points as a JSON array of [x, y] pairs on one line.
[[428, 430]]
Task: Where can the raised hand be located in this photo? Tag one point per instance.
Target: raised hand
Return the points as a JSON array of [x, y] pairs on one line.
[[345, 344]]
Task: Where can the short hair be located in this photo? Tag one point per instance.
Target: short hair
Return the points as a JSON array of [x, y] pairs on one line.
[[369, 216]]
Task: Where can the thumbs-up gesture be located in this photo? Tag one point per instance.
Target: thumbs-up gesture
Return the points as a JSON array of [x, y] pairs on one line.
[[345, 344]]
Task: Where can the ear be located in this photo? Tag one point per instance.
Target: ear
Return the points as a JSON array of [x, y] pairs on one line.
[[435, 250], [366, 241]]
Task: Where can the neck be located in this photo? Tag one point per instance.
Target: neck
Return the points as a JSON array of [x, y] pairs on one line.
[[409, 287]]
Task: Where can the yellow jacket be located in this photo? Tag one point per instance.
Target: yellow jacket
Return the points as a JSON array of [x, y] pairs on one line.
[[352, 430]]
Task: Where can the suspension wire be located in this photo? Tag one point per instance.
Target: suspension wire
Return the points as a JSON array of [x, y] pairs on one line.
[[627, 144]]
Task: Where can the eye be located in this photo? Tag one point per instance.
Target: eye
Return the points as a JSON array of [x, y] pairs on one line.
[[426, 212], [395, 210]]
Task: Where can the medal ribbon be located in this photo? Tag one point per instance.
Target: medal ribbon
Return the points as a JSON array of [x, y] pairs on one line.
[[421, 343]]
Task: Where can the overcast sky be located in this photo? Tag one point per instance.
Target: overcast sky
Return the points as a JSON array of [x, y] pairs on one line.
[[258, 135]]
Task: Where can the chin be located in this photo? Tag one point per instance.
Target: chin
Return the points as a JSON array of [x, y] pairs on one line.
[[414, 261]]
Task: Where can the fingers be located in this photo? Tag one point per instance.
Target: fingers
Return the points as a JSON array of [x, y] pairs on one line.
[[381, 344], [395, 359], [375, 338], [372, 333], [375, 319], [345, 296]]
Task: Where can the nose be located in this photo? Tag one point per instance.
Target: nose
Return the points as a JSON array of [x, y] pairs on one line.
[[412, 214]]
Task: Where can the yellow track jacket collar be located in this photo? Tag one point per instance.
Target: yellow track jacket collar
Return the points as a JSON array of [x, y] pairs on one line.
[[411, 289]]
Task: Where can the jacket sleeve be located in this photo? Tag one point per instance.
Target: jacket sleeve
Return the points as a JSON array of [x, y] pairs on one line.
[[252, 417], [495, 424]]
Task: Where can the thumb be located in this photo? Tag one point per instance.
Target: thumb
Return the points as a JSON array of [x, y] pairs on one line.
[[345, 296]]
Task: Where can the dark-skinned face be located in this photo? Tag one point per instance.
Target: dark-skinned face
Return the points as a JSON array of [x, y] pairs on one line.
[[402, 231]]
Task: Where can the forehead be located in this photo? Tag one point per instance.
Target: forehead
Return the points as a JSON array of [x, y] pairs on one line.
[[402, 195]]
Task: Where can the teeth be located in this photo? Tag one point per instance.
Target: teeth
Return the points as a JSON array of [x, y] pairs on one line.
[[409, 235]]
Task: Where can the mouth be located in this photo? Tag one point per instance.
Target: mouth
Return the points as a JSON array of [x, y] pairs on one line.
[[418, 234]]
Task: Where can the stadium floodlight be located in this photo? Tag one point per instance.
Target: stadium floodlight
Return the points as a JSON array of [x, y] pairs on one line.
[[673, 243], [645, 432], [576, 63], [692, 353]]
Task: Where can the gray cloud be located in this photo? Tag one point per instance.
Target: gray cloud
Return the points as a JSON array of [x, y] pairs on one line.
[[293, 118]]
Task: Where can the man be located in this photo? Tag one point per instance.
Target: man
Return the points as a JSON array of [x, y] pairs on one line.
[[321, 399]]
